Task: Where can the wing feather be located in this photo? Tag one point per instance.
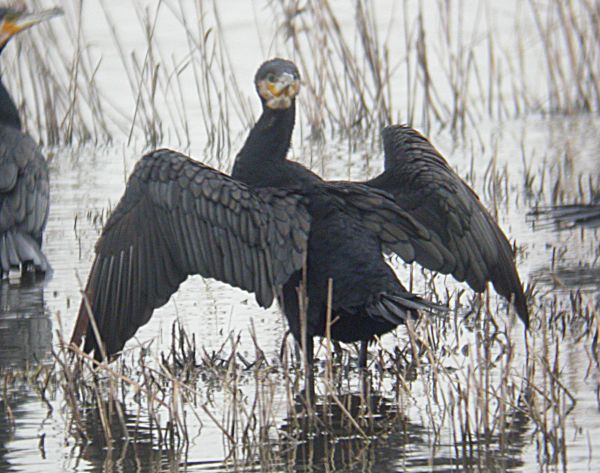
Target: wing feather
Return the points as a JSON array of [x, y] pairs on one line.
[[24, 200], [396, 228], [423, 185], [179, 217]]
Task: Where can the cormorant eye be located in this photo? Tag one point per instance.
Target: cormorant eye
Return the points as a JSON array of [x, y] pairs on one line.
[[271, 77]]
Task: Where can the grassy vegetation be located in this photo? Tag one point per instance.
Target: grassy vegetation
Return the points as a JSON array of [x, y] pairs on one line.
[[472, 382], [439, 64], [447, 66]]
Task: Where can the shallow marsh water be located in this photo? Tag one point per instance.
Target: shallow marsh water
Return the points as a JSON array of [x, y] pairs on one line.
[[413, 420]]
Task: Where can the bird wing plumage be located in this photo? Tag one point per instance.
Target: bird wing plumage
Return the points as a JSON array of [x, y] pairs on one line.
[[397, 230], [179, 217], [24, 200], [425, 187]]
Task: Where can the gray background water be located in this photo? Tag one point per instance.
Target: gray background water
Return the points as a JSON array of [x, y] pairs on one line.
[[88, 179]]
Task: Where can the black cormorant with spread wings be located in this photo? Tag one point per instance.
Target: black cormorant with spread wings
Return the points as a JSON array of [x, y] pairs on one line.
[[255, 230], [24, 187]]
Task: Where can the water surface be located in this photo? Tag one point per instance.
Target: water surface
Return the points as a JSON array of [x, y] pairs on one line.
[[410, 428]]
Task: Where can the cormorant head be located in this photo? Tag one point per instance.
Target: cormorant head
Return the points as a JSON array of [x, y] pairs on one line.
[[277, 82], [13, 21]]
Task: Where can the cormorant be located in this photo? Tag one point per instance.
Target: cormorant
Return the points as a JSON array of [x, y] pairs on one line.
[[423, 185], [255, 230], [24, 188]]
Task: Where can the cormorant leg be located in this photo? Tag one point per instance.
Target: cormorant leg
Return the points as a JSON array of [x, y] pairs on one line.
[[362, 357], [310, 376], [298, 352], [337, 348]]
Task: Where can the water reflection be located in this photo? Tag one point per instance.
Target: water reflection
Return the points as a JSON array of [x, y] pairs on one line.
[[581, 277], [136, 448], [329, 440], [25, 339], [25, 327], [567, 269], [567, 216], [392, 441], [9, 410]]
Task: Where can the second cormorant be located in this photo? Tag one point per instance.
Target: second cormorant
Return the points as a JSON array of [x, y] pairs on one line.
[[24, 187]]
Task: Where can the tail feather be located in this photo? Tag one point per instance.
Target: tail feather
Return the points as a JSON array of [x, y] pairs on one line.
[[397, 308], [389, 312], [415, 302], [8, 254], [18, 250]]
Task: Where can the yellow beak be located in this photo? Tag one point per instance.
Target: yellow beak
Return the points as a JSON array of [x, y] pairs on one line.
[[16, 21], [282, 85]]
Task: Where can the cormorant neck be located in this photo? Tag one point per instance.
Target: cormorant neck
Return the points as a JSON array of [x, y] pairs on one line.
[[270, 139], [9, 115]]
